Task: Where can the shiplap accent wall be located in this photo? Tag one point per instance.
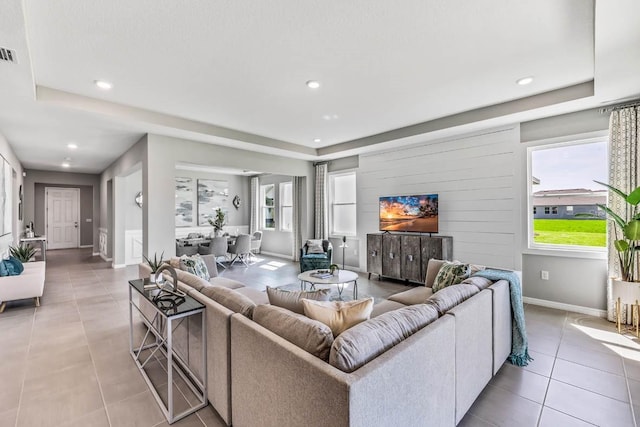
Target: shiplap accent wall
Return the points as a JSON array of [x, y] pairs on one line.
[[478, 179]]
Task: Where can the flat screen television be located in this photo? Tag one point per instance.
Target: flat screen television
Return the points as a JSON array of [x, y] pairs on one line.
[[409, 213]]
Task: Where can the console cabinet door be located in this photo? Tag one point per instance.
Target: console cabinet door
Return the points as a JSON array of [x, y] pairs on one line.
[[374, 253], [411, 265], [391, 256], [435, 247]]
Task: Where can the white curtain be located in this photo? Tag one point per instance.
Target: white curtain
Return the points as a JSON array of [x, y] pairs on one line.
[[297, 216], [624, 165], [321, 216], [254, 215]]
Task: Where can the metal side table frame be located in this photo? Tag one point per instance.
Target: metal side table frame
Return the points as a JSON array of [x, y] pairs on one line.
[[162, 327]]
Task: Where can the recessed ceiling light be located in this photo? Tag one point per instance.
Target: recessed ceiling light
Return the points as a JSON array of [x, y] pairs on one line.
[[317, 140], [103, 84], [65, 165], [313, 84], [524, 81], [330, 116], [72, 146]]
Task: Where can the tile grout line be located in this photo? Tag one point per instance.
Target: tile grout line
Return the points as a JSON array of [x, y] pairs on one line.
[[24, 375], [93, 363]]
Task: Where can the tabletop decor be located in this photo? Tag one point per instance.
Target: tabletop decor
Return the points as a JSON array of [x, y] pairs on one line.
[[154, 265]]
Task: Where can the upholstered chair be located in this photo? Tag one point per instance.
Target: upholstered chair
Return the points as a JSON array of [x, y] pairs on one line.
[[186, 249], [315, 261], [241, 249], [219, 247]]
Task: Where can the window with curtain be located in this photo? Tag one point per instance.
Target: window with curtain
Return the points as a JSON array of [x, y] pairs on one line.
[[286, 206], [564, 197], [342, 204], [268, 207]]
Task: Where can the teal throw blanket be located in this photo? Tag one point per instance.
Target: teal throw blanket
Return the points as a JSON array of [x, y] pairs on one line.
[[519, 347]]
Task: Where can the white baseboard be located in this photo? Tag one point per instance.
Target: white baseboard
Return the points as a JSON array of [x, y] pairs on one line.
[[104, 258], [568, 307], [115, 266], [85, 246], [95, 254]]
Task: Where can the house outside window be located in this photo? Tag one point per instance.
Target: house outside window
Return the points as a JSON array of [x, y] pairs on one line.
[[561, 179], [267, 212], [342, 204], [286, 206]]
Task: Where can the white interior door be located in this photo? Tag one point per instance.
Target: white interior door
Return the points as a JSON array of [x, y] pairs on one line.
[[63, 213]]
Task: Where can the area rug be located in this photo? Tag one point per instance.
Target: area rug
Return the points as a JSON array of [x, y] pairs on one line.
[[347, 293]]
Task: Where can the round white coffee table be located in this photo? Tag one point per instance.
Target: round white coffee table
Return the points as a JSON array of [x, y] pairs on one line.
[[343, 277]]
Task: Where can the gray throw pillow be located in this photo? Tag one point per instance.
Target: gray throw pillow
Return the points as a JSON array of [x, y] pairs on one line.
[[367, 340], [308, 334], [231, 299], [291, 300], [314, 246]]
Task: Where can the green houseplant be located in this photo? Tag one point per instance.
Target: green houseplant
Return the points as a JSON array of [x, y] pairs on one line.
[[627, 232], [154, 265], [24, 252], [218, 222]]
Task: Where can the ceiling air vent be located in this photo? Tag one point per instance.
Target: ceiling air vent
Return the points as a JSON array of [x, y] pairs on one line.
[[8, 55]]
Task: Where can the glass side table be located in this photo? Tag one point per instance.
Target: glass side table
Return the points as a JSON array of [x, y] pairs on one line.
[[161, 317]]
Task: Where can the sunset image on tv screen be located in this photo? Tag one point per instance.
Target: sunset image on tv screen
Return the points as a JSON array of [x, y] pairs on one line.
[[409, 213]]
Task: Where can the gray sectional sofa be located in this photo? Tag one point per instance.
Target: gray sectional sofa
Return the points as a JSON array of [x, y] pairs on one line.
[[423, 374]]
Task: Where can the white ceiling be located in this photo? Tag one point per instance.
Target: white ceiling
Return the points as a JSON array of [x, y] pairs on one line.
[[234, 73]]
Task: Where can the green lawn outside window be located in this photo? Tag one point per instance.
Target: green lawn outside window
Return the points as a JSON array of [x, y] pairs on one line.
[[574, 232]]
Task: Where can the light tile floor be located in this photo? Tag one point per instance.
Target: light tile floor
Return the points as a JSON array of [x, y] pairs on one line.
[[66, 363]]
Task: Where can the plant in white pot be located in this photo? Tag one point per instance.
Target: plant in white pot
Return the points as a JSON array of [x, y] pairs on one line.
[[154, 265], [625, 289], [218, 222]]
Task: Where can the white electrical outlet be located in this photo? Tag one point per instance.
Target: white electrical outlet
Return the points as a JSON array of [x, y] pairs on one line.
[[544, 275]]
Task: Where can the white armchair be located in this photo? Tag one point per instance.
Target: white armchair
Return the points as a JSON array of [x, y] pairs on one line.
[[256, 241]]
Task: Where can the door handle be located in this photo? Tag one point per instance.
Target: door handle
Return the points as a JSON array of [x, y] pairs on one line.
[[75, 224]]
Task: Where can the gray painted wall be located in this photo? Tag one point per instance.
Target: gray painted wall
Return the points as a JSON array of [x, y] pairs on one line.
[[12, 239], [238, 185], [89, 190], [133, 216], [86, 210], [158, 156], [572, 280]]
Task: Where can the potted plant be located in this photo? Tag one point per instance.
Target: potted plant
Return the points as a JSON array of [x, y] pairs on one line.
[[24, 252], [334, 269], [218, 222], [154, 264], [627, 244]]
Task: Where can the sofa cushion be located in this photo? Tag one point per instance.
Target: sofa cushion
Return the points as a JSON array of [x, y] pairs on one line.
[[433, 266], [417, 295], [258, 297], [227, 283], [451, 296], [291, 300], [367, 340], [189, 279], [231, 299], [195, 265], [338, 315], [450, 273], [384, 306], [310, 335], [477, 281]]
